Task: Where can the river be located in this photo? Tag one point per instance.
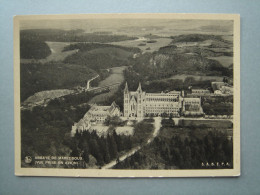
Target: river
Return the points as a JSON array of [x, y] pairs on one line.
[[116, 76]]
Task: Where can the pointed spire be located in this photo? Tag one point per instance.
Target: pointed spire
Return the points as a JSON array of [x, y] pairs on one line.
[[126, 88], [139, 89]]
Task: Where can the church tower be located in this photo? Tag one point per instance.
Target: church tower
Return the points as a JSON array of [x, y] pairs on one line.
[[140, 100], [126, 101]]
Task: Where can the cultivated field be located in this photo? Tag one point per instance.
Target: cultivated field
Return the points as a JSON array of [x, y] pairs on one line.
[[56, 53], [226, 61], [144, 44]]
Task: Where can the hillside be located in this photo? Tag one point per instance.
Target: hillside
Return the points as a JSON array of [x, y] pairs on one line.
[[195, 54], [36, 77], [33, 49], [197, 38], [158, 66], [208, 46], [204, 51], [100, 56]]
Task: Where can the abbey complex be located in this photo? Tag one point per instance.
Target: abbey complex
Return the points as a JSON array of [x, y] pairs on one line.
[[141, 104]]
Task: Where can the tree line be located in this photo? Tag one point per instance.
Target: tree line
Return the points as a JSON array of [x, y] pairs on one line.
[[58, 35], [36, 77], [34, 49], [189, 153], [103, 149]]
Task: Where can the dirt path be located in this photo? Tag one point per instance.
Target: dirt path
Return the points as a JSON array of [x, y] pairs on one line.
[[157, 126], [88, 83]]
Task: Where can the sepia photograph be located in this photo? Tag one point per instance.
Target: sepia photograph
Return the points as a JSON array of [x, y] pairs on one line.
[[127, 95]]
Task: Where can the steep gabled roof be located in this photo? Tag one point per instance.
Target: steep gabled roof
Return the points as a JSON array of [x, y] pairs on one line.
[[139, 89], [126, 88]]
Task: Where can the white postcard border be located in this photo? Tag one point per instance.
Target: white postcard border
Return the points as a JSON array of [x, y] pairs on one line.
[[19, 171]]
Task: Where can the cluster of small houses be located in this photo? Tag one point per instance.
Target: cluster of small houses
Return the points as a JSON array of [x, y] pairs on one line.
[[219, 89]]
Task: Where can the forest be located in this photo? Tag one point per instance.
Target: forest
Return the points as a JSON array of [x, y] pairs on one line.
[[100, 56], [157, 85], [46, 131], [218, 105], [37, 77], [197, 38], [34, 49], [97, 151], [157, 66], [186, 150], [91, 46]]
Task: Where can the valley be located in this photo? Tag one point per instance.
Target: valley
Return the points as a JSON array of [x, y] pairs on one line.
[[62, 85]]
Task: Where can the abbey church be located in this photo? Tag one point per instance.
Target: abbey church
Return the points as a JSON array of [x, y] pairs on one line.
[[141, 104]]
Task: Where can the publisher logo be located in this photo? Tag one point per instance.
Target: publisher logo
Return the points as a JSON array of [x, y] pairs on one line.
[[28, 159]]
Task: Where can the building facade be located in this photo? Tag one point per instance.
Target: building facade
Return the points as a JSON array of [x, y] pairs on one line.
[[95, 115], [141, 104], [200, 92]]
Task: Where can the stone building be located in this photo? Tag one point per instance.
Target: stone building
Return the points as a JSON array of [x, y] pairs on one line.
[[141, 104], [192, 107], [95, 115], [200, 92]]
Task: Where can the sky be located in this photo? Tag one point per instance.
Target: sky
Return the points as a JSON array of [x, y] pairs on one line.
[[163, 27]]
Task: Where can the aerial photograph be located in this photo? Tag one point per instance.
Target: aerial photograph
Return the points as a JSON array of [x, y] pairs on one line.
[[126, 93]]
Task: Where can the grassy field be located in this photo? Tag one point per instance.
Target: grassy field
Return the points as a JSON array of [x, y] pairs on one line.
[[51, 94], [228, 37], [143, 44], [197, 77], [192, 44], [226, 61], [56, 51]]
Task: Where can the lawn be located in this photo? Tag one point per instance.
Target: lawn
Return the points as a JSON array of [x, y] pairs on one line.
[[226, 61], [144, 43]]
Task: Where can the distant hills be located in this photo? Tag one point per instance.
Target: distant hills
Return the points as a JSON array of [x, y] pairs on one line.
[[197, 38], [78, 35]]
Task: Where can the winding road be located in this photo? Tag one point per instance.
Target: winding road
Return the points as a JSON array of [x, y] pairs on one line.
[[88, 83], [157, 126]]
